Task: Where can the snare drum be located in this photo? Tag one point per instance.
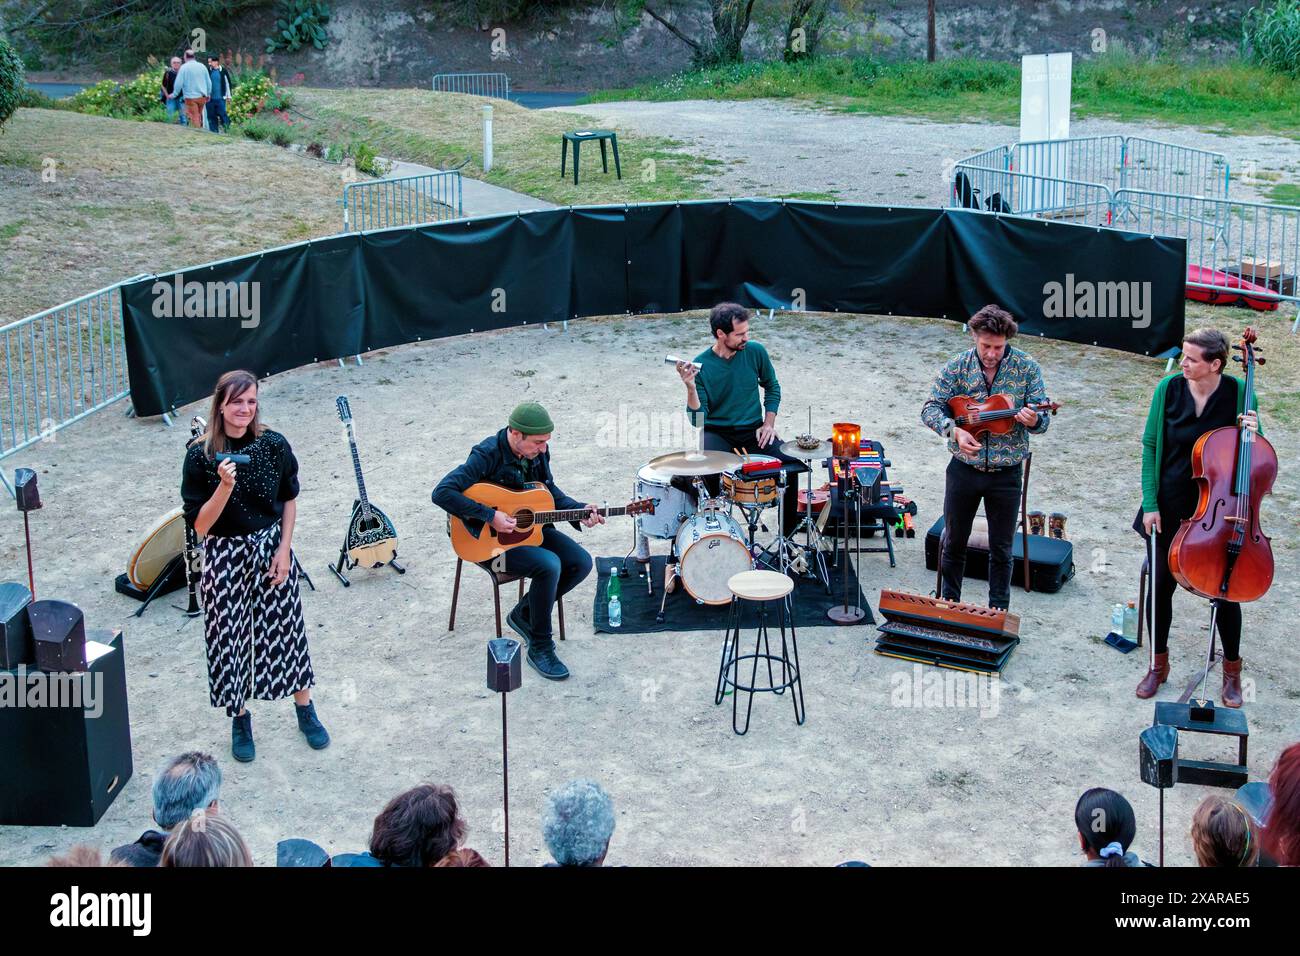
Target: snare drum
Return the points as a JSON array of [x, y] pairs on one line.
[[711, 548], [750, 491], [672, 505]]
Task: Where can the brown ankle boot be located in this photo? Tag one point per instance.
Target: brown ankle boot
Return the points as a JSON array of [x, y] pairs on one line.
[[1156, 676], [1232, 683]]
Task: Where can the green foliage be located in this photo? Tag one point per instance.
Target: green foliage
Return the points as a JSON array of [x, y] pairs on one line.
[[1271, 36], [136, 98], [299, 22], [115, 35], [11, 81], [254, 92], [364, 155]]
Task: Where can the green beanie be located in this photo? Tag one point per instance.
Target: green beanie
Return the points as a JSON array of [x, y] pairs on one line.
[[531, 419]]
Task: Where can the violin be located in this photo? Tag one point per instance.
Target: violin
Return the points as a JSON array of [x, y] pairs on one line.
[[995, 415], [1221, 551]]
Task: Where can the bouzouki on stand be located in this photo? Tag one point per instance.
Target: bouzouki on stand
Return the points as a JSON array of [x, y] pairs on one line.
[[532, 508], [371, 541]]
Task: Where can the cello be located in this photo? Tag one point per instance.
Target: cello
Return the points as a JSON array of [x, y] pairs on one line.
[[1221, 552]]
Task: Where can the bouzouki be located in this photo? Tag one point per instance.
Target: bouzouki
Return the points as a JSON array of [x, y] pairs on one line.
[[532, 508], [371, 541]]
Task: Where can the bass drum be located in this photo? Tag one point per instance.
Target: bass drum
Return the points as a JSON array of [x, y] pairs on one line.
[[711, 548], [672, 505], [161, 543]]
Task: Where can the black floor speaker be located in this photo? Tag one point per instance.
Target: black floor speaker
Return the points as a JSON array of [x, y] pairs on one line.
[[65, 740], [1051, 560]]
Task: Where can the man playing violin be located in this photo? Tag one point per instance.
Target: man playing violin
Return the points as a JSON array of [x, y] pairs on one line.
[[985, 470], [1184, 407]]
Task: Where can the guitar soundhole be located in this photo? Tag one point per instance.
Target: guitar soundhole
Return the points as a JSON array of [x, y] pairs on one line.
[[523, 520], [371, 524]]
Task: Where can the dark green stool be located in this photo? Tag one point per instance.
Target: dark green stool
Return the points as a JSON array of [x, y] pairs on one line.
[[577, 138]]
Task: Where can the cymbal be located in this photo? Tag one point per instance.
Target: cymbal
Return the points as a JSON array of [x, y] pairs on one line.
[[695, 462], [823, 450]]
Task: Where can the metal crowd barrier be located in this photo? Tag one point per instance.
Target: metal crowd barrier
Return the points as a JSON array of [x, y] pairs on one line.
[[60, 366], [402, 201], [1025, 194], [493, 85], [1231, 239], [1115, 162]]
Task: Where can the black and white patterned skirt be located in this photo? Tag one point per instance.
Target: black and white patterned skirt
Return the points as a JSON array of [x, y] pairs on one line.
[[256, 637]]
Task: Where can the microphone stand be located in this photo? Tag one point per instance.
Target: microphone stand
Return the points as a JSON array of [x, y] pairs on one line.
[[848, 490]]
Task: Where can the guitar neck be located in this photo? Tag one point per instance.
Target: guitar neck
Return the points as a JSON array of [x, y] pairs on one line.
[[575, 514], [356, 466]]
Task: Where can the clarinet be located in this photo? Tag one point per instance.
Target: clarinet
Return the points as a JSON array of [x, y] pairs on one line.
[[193, 551]]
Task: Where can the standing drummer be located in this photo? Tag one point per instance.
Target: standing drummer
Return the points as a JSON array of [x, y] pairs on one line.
[[723, 396], [988, 471]]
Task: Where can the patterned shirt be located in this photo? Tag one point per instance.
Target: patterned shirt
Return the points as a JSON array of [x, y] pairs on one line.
[[1017, 375]]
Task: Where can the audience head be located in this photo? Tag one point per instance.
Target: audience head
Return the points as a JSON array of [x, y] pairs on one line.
[[578, 823], [463, 857], [1281, 837], [418, 827], [1223, 834], [79, 856], [186, 783], [1106, 825], [205, 839], [175, 62], [189, 55]]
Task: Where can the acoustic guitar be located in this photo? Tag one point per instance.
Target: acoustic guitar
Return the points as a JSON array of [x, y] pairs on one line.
[[371, 540], [532, 508]]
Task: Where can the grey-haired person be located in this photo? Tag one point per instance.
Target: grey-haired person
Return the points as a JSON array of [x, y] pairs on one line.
[[182, 785], [578, 823]]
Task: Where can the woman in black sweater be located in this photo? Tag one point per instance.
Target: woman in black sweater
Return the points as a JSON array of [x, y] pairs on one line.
[[252, 609]]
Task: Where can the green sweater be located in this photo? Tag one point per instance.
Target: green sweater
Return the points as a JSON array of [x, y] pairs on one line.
[[728, 388], [1153, 438]]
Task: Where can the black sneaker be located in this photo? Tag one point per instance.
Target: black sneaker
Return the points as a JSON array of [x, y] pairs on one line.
[[241, 738], [317, 736], [519, 625], [541, 657]]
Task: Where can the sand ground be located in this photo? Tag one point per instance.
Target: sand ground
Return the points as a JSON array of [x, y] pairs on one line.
[[869, 776]]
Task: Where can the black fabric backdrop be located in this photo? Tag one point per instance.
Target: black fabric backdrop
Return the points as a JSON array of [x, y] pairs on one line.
[[352, 293]]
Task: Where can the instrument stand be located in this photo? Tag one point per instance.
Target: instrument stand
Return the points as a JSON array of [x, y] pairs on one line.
[[670, 575], [813, 541], [163, 583], [343, 561], [846, 614], [1211, 658]]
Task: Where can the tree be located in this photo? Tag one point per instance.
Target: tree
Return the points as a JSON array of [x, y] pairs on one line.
[[730, 19], [11, 80], [804, 31]]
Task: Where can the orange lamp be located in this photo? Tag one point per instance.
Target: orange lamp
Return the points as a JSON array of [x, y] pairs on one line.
[[846, 440]]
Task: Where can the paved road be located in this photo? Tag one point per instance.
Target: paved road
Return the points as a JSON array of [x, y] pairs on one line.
[[775, 148]]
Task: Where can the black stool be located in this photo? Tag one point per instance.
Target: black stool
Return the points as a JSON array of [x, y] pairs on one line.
[[761, 587]]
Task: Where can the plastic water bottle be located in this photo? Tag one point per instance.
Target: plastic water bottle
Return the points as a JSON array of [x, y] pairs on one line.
[[1131, 621], [615, 605], [1117, 619]]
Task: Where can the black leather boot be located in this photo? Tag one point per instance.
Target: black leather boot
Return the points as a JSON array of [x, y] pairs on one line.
[[241, 738], [311, 727]]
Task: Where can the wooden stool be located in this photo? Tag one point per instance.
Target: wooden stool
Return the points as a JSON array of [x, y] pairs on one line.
[[498, 579], [762, 588]]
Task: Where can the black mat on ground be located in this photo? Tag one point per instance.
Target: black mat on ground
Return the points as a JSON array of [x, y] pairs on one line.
[[811, 602]]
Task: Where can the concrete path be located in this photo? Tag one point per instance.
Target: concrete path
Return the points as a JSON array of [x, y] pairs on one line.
[[477, 197]]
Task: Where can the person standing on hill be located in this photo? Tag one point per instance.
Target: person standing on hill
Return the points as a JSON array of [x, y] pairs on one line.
[[195, 87]]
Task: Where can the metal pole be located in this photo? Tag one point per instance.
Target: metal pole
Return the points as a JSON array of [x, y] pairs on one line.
[[31, 580], [1024, 518], [487, 138], [505, 777], [929, 16]]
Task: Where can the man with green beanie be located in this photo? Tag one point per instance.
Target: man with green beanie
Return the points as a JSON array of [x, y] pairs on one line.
[[515, 457]]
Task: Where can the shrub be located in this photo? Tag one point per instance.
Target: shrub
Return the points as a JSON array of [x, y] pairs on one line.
[[299, 22], [11, 81], [1270, 34], [254, 93], [135, 98]]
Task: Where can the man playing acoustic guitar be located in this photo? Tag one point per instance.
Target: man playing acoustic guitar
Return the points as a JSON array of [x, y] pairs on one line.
[[988, 470], [512, 458]]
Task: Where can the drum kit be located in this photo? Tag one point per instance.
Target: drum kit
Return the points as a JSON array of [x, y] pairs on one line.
[[707, 544]]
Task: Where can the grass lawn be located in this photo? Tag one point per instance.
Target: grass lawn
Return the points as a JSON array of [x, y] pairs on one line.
[[130, 197], [446, 129], [1232, 97]]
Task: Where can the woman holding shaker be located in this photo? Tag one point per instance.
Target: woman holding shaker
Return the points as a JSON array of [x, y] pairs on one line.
[[252, 611]]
